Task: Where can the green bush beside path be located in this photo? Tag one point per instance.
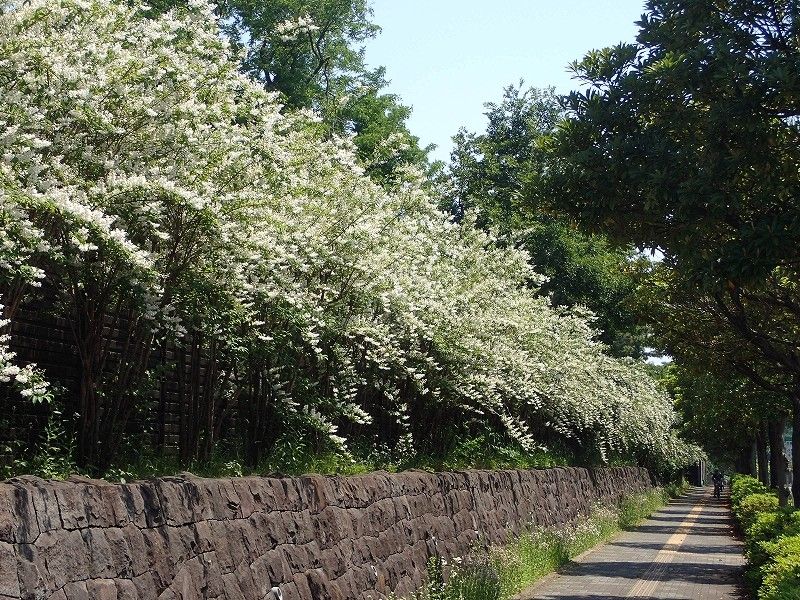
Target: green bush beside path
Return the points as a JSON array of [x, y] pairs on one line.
[[772, 540]]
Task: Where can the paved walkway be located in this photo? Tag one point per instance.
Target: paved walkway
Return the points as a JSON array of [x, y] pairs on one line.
[[685, 551]]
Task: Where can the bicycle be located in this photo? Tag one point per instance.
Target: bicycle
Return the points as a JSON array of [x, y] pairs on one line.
[[718, 485]]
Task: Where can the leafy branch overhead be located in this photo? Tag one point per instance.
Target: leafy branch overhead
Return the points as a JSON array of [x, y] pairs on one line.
[[688, 141]]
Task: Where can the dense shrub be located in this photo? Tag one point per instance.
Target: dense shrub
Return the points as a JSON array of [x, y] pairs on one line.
[[782, 572], [767, 526], [772, 540], [754, 505], [744, 485]]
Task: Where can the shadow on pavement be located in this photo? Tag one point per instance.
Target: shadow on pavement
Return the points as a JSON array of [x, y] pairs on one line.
[[692, 572], [685, 548], [705, 557]]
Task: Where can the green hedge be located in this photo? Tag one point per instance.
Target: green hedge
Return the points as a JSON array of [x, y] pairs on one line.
[[772, 539], [766, 527], [742, 486], [781, 573], [754, 505]]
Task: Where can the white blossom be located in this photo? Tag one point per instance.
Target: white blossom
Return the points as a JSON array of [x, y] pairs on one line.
[[214, 211]]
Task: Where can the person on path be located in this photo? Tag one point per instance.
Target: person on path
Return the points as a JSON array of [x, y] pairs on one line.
[[718, 480]]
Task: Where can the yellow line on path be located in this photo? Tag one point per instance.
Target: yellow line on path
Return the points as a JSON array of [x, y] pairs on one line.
[[649, 581]]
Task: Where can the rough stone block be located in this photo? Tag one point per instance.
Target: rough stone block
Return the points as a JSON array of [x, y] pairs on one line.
[[24, 522], [182, 500], [77, 591], [102, 589], [33, 576], [9, 583], [126, 590], [69, 497], [66, 555]]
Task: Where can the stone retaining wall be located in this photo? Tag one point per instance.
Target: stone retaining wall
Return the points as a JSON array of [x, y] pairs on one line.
[[249, 538]]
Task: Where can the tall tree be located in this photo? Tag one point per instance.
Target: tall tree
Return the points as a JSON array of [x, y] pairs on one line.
[[383, 142], [494, 174], [312, 53], [689, 141], [717, 412], [733, 396]]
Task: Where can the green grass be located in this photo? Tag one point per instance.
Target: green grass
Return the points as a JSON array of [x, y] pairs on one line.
[[507, 570], [286, 459], [292, 455]]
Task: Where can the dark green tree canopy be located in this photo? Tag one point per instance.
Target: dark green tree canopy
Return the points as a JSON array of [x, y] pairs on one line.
[[720, 413], [384, 143], [489, 171], [311, 52], [691, 327], [689, 140]]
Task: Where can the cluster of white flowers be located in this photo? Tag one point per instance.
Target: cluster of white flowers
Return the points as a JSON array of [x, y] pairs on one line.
[[28, 380], [291, 29], [150, 162]]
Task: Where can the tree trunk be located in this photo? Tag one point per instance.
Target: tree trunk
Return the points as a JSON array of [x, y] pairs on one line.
[[183, 423], [88, 343], [252, 446], [752, 459], [777, 459], [88, 435], [161, 419], [761, 454], [795, 445], [742, 460], [263, 424], [746, 458]]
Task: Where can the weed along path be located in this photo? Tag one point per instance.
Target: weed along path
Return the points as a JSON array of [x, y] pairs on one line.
[[685, 551]]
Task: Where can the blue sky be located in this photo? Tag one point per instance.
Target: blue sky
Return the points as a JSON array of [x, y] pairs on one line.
[[446, 58]]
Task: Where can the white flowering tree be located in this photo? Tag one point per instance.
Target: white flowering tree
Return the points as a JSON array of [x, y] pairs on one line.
[[19, 240], [189, 231]]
